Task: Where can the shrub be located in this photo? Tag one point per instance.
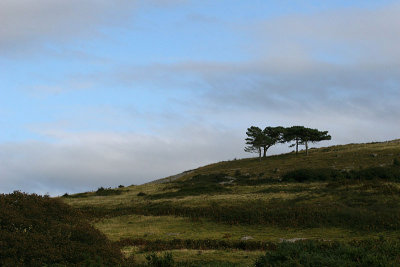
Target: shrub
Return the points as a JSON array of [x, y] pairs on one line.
[[38, 231], [391, 173], [160, 261], [302, 175], [238, 173], [107, 192]]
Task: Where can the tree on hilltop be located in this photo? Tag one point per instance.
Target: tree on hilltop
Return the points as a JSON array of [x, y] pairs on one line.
[[314, 136], [254, 140], [261, 140], [302, 136], [294, 133], [272, 135]]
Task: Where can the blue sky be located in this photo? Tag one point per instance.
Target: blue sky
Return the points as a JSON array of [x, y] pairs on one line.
[[101, 93]]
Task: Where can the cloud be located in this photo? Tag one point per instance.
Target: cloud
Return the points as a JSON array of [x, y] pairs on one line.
[[86, 161], [28, 26], [344, 61], [343, 35]]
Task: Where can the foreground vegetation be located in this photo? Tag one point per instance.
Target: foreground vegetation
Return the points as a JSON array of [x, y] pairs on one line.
[[40, 231], [338, 206]]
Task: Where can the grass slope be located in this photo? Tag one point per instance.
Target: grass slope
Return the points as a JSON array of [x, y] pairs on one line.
[[206, 215]]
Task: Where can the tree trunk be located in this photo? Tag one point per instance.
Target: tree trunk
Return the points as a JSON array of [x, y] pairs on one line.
[[265, 152], [306, 148], [297, 146], [259, 153]]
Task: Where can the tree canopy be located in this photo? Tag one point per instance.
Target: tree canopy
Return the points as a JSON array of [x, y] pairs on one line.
[[259, 140]]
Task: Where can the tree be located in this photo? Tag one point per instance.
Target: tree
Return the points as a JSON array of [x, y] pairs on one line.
[[271, 136], [294, 133], [314, 136], [302, 136], [254, 140], [259, 140]]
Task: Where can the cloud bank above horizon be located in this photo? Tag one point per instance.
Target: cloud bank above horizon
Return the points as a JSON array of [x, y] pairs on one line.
[[102, 93]]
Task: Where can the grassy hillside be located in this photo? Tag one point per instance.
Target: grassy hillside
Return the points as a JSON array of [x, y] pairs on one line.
[[232, 212]]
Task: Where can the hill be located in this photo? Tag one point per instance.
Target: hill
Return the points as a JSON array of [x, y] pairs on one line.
[[339, 203]]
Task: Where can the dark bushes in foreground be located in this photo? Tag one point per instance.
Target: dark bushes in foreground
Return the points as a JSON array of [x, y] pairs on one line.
[[203, 244], [41, 231], [314, 253], [390, 173]]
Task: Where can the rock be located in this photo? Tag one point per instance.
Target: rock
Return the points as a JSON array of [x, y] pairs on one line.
[[245, 238], [230, 180], [374, 155]]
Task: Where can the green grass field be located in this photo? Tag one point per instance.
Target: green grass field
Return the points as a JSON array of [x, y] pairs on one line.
[[230, 213]]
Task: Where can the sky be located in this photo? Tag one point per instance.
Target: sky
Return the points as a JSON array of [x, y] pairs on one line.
[[120, 92]]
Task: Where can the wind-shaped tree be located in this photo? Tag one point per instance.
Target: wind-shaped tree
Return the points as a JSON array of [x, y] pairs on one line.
[[254, 140], [314, 136], [259, 140], [302, 136]]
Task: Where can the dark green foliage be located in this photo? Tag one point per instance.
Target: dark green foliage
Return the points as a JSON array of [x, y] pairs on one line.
[[258, 139], [303, 136], [141, 194], [79, 195], [333, 254], [201, 244], [107, 192], [396, 162], [390, 173], [197, 185], [310, 175], [254, 140], [38, 231], [165, 260]]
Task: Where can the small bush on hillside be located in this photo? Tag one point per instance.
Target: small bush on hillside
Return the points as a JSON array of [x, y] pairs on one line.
[[107, 192], [141, 194], [396, 162], [165, 260], [302, 175], [41, 231]]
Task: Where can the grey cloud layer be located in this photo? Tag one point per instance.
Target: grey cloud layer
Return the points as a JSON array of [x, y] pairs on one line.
[[339, 61], [26, 26], [86, 161]]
